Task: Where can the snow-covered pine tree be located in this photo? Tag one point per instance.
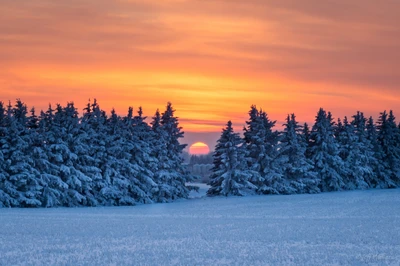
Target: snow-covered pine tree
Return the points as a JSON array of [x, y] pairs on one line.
[[379, 165], [160, 167], [141, 182], [388, 137], [230, 175], [344, 136], [356, 153], [360, 159], [324, 153], [176, 175], [91, 153], [48, 173], [271, 164], [255, 135], [23, 176], [299, 175], [143, 136], [116, 180], [8, 193], [261, 152], [63, 148], [305, 133], [124, 181]]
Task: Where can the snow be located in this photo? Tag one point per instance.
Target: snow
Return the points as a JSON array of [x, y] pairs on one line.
[[336, 228]]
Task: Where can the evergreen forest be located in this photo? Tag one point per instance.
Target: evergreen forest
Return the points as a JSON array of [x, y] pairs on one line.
[[61, 158], [346, 154]]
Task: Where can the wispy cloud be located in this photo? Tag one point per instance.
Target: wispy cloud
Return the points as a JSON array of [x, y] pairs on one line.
[[212, 59]]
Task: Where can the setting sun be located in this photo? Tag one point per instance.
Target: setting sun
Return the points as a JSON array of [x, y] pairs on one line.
[[199, 148]]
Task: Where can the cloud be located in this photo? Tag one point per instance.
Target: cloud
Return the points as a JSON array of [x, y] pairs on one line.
[[211, 58]]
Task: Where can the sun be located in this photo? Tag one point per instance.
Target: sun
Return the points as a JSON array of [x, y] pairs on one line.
[[199, 148]]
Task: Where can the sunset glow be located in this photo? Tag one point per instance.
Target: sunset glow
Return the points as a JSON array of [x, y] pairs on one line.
[[211, 59], [199, 148]]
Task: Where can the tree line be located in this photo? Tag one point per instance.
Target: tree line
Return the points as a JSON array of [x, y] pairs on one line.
[[61, 158], [329, 156]]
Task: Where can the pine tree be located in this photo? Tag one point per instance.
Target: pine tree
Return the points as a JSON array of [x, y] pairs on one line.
[[160, 167], [344, 136], [92, 148], [324, 152], [379, 165], [23, 177], [64, 145], [176, 175], [255, 135], [306, 139], [140, 138], [229, 173], [360, 159], [356, 153], [299, 176], [116, 183], [48, 172], [8, 193], [126, 180], [388, 141], [261, 152]]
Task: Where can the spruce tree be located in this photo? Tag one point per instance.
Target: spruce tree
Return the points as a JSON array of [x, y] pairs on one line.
[[178, 175], [379, 165], [115, 190], [324, 152], [360, 159], [91, 152], [64, 145], [261, 152], [23, 177], [390, 150], [299, 175], [8, 193], [255, 135], [160, 166], [229, 173], [140, 138]]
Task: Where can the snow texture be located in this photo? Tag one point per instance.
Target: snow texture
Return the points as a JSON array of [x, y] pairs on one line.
[[337, 228]]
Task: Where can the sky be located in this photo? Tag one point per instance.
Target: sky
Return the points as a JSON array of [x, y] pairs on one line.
[[211, 59]]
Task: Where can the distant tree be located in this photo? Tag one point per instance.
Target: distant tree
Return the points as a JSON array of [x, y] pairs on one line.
[[201, 159], [230, 175]]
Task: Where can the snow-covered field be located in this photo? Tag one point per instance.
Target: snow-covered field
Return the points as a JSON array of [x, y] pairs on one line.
[[343, 228]]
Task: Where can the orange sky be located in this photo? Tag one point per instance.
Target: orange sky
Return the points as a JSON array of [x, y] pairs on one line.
[[211, 59]]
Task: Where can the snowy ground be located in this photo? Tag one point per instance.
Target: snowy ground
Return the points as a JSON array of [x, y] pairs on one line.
[[345, 228]]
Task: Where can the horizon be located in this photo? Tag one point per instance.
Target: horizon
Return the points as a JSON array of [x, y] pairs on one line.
[[208, 137]]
